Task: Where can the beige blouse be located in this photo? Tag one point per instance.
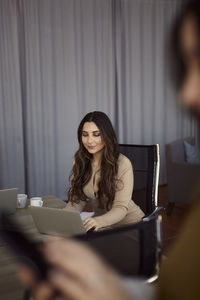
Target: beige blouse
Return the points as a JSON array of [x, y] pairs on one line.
[[124, 210]]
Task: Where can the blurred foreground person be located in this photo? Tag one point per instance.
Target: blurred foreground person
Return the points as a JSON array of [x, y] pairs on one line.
[[80, 273], [180, 275]]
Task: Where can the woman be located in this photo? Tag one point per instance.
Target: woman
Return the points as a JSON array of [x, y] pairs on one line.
[[102, 175]]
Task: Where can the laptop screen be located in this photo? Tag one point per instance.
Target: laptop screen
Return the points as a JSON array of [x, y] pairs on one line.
[[8, 200]]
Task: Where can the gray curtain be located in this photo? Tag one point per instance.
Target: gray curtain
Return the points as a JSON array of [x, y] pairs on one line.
[[149, 112], [12, 168], [61, 59]]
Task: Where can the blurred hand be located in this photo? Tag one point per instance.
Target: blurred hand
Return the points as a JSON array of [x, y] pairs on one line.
[[91, 223], [79, 274]]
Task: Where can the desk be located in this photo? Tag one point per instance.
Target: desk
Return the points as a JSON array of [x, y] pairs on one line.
[[10, 286]]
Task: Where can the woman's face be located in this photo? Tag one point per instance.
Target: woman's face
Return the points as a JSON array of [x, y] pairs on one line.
[[190, 91], [91, 138]]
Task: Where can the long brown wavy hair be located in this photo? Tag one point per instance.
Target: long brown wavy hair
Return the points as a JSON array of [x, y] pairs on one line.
[[82, 169]]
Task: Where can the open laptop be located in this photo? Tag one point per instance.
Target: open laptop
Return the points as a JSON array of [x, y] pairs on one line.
[[54, 221], [8, 200]]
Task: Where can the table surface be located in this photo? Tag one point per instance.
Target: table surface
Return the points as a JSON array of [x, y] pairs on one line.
[[10, 286]]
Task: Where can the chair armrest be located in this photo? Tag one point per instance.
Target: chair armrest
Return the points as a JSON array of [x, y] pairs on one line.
[[156, 212]]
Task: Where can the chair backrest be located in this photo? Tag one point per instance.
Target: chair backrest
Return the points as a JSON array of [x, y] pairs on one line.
[[146, 165], [132, 250]]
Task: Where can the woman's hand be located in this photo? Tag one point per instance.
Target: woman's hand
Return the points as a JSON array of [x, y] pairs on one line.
[[77, 274], [90, 223]]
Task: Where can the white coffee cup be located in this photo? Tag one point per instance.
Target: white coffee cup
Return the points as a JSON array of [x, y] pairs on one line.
[[21, 200], [36, 201]]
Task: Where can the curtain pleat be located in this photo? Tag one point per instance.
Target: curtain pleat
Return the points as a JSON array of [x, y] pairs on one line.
[[11, 123]]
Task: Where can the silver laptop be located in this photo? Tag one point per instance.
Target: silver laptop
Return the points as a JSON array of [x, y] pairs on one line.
[[8, 200], [54, 221]]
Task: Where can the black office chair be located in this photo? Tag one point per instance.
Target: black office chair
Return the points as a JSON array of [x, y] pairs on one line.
[[146, 165], [132, 250], [135, 250]]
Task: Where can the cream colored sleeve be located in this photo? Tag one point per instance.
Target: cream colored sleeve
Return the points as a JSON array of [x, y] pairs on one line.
[[75, 206], [122, 197]]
